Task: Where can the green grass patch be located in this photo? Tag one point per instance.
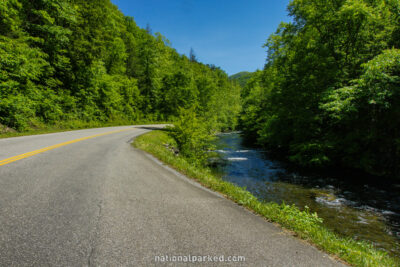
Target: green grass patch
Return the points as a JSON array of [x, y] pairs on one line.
[[304, 224]]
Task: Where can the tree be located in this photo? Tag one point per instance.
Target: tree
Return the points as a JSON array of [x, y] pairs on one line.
[[192, 55]]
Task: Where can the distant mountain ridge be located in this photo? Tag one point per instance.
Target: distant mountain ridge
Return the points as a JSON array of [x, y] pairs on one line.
[[242, 77]]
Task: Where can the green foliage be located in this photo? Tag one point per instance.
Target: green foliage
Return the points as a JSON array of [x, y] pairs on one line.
[[372, 106], [303, 223], [252, 97], [328, 94], [9, 19], [179, 91], [76, 60], [192, 136], [380, 80], [15, 111]]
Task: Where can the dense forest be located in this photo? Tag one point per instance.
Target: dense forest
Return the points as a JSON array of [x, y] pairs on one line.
[[73, 61], [329, 94]]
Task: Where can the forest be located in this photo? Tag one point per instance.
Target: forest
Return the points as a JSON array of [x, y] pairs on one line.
[[74, 62], [329, 94]]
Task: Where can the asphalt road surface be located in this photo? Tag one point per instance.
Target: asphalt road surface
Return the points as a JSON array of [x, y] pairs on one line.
[[88, 198]]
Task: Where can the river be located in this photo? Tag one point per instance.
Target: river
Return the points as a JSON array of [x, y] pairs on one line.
[[350, 207]]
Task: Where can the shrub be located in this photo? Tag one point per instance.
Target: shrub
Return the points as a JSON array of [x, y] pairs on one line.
[[192, 136]]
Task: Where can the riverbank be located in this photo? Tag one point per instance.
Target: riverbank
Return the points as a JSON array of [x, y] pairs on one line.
[[350, 205], [304, 224]]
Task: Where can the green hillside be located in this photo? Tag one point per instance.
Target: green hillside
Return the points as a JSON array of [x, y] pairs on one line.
[[76, 61], [241, 78]]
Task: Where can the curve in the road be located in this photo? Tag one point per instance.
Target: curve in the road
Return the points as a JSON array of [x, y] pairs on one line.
[[102, 202]]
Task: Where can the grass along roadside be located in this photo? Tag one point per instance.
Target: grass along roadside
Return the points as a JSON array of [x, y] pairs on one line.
[[304, 224], [64, 126]]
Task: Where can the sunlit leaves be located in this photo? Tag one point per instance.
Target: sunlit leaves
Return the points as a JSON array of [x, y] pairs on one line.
[[331, 86], [85, 61]]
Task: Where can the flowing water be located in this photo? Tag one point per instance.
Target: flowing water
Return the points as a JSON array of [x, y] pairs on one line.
[[351, 207]]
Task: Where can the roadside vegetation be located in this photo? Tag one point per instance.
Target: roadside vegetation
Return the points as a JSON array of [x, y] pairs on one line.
[[303, 223]]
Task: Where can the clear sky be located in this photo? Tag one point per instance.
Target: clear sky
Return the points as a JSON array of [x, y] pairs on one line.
[[226, 33]]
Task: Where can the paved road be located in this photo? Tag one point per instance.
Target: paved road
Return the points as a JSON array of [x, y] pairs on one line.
[[101, 202]]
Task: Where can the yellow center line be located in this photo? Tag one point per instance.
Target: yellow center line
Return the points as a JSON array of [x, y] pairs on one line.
[[35, 152]]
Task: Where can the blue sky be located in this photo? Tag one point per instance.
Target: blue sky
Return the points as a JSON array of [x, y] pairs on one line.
[[226, 33]]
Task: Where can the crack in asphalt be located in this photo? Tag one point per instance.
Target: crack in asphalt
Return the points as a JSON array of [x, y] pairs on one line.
[[94, 238]]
